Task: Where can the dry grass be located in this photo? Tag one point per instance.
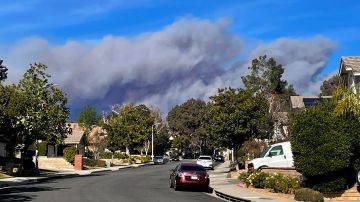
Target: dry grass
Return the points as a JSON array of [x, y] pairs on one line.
[[4, 176]]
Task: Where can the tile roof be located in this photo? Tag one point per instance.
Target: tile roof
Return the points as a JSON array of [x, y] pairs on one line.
[[74, 137], [352, 62]]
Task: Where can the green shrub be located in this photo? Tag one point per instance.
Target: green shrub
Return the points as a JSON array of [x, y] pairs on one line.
[[93, 163], [331, 182], [232, 166], [42, 148], [119, 155], [306, 194], [89, 162], [258, 179], [106, 155], [244, 177], [275, 182], [100, 163], [282, 183], [322, 145], [69, 154], [143, 159]]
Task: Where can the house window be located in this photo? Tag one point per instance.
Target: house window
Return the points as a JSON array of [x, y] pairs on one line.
[[357, 84]]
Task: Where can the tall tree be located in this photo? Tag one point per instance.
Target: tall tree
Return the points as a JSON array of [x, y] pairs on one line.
[[130, 128], [88, 118], [185, 121], [46, 113], [12, 106], [266, 78], [329, 86], [236, 115]]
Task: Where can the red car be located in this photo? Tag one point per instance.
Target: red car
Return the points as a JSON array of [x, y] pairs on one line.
[[189, 175]]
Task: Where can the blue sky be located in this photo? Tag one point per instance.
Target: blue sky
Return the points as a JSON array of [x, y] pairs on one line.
[[257, 25]]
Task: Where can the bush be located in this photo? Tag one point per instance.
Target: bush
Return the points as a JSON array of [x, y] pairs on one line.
[[322, 146], [42, 148], [100, 163], [258, 179], [275, 182], [89, 162], [143, 159], [69, 154], [93, 163], [244, 177], [119, 155], [306, 194], [232, 166], [281, 183], [106, 155]]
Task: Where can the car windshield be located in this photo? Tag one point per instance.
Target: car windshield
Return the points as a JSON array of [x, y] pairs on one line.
[[263, 153], [158, 157], [192, 168], [205, 157]]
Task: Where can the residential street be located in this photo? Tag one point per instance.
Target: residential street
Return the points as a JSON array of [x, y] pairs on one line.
[[148, 183]]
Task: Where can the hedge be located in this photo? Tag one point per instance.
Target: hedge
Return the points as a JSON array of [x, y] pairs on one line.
[[306, 194], [106, 155], [93, 163], [69, 154], [119, 155], [274, 182], [322, 146], [42, 148]]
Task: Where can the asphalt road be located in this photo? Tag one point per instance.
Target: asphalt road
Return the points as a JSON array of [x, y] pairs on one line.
[[148, 183]]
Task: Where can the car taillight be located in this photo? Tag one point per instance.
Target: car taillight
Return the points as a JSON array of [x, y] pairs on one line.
[[206, 176], [180, 174]]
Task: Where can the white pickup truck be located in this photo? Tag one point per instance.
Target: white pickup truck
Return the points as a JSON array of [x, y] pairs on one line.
[[276, 155]]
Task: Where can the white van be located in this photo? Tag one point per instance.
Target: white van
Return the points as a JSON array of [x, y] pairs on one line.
[[276, 155]]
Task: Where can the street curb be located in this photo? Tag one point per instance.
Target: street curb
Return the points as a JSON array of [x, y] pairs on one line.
[[10, 184], [229, 197]]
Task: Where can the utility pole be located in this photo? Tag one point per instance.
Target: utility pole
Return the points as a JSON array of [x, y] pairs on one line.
[[152, 140]]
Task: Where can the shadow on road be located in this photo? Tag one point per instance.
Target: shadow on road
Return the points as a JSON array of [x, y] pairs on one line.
[[193, 189], [23, 193]]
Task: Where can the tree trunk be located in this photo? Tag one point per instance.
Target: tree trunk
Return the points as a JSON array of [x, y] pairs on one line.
[[146, 147]]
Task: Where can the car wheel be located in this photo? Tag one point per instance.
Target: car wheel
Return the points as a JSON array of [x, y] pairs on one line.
[[171, 185], [261, 167]]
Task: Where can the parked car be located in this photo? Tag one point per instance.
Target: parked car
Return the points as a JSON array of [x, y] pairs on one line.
[[189, 175], [218, 158], [276, 155], [205, 161], [175, 158], [159, 160]]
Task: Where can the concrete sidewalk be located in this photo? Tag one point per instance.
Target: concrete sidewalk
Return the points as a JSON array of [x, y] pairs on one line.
[[14, 181], [231, 187]]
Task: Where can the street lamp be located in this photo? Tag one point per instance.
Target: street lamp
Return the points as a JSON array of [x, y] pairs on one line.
[[152, 140]]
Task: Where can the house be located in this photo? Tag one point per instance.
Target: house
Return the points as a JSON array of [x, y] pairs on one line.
[[76, 139], [349, 72], [299, 102]]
